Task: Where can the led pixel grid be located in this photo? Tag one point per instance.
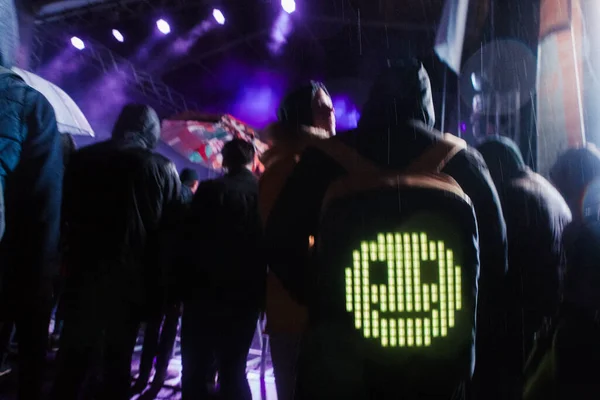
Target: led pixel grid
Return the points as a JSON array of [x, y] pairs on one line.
[[383, 311]]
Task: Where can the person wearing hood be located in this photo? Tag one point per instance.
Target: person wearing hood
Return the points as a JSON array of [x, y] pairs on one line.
[[396, 127], [120, 197], [305, 115], [576, 175], [31, 174], [536, 215]]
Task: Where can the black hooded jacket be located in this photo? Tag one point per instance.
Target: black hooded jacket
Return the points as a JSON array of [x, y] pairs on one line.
[[395, 128], [31, 167], [119, 196], [536, 215]]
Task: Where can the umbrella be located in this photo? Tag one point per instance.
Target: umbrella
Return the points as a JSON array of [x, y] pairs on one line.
[[200, 137], [69, 117]]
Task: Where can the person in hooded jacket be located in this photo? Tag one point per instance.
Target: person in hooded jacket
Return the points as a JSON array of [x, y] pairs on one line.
[[396, 127], [576, 175], [119, 198], [31, 174], [535, 215], [305, 115]]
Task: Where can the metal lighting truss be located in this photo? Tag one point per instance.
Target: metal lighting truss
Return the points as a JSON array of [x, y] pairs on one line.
[[104, 60], [103, 11]]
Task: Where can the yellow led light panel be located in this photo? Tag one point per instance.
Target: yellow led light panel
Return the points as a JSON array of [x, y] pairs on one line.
[[383, 312]]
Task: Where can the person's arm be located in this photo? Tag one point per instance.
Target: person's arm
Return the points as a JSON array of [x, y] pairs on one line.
[[471, 173], [12, 137]]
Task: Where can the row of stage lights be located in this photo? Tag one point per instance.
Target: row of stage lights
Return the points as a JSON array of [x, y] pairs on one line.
[[163, 26]]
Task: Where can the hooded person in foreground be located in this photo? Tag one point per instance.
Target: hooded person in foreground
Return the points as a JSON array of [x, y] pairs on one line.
[[31, 181], [536, 215], [119, 198], [396, 127], [304, 116]]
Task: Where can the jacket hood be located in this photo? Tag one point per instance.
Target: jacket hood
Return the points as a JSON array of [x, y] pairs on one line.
[[9, 33], [576, 175], [296, 107], [402, 93], [138, 124], [503, 158]]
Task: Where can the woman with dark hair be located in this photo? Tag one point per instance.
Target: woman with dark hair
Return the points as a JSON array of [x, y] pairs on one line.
[[304, 116]]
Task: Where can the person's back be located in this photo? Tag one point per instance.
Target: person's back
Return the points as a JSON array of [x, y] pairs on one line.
[[223, 279], [395, 130], [535, 215], [119, 199], [30, 188]]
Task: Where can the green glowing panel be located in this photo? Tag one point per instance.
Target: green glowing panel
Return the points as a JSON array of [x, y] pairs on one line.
[[383, 311]]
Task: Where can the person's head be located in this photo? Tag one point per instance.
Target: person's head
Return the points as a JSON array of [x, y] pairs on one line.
[[582, 277], [400, 94], [138, 124], [308, 105], [237, 155], [503, 158], [576, 175], [9, 33], [189, 178], [68, 147]]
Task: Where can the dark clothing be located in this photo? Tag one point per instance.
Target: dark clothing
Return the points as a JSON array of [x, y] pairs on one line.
[[186, 195], [393, 132], [31, 175], [535, 215], [120, 199], [224, 284], [31, 171], [105, 324], [564, 364], [223, 221], [210, 332], [159, 342]]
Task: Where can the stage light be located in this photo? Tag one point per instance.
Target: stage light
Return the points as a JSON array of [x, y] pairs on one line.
[[163, 26], [77, 43], [118, 35], [219, 17], [289, 6]]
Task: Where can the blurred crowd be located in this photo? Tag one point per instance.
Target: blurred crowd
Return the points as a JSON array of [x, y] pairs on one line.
[[110, 237]]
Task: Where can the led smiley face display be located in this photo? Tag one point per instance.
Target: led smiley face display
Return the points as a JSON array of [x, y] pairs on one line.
[[404, 312]]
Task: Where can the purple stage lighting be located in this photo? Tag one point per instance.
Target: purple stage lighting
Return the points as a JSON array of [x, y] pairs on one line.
[[289, 6], [118, 35], [77, 43], [219, 17], [163, 26]]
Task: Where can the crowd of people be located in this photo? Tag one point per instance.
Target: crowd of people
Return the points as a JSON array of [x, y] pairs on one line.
[[111, 237]]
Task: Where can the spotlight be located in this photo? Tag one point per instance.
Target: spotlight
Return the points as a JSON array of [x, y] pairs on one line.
[[77, 43], [163, 26], [118, 35], [219, 17], [289, 6]]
